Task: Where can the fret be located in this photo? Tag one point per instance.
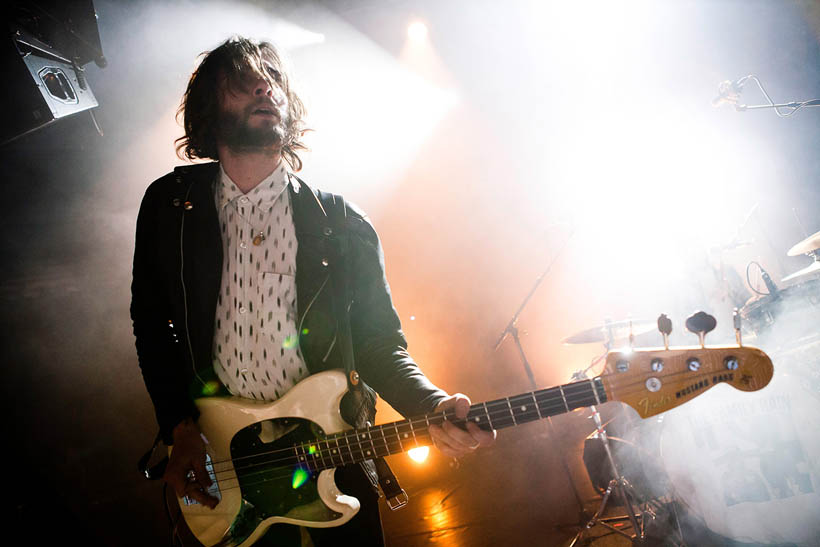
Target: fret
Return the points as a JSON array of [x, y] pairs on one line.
[[338, 449], [564, 397], [487, 413], [352, 454], [373, 446], [357, 436], [330, 452], [523, 408], [322, 453], [595, 393], [512, 414], [296, 453], [319, 453], [384, 440], [398, 436], [394, 446], [551, 401], [303, 458], [501, 414], [413, 431], [314, 453], [537, 408]]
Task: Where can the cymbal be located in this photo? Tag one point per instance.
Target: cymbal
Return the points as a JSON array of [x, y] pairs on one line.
[[811, 243], [619, 330], [814, 268]]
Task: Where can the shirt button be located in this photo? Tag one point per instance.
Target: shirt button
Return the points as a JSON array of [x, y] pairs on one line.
[[243, 199], [242, 309], [243, 245]]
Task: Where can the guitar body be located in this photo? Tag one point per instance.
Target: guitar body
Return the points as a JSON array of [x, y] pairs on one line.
[[255, 493]]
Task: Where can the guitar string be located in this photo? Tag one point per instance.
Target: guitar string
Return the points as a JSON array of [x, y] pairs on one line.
[[346, 436], [354, 434], [388, 440], [500, 413], [268, 476]]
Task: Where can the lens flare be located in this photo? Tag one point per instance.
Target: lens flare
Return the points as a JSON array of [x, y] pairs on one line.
[[210, 388], [419, 454], [417, 31], [300, 477]]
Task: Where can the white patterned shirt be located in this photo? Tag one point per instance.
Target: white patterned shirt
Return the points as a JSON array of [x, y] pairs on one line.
[[256, 346]]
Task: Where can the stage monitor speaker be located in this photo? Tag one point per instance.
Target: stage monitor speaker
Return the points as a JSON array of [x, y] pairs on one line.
[[41, 86]]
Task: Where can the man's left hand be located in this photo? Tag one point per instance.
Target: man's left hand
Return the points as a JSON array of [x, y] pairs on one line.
[[453, 441]]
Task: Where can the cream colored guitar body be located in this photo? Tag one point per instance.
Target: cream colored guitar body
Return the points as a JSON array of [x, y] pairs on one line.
[[316, 399]]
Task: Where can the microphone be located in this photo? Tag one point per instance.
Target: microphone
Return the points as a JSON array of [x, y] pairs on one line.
[[729, 92], [770, 286]]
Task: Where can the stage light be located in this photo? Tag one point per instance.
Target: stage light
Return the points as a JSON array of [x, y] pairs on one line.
[[417, 32], [419, 454]]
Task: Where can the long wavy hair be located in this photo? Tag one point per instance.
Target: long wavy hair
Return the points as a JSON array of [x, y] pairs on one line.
[[199, 109]]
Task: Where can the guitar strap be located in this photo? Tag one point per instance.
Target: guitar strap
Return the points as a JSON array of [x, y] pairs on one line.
[[359, 394]]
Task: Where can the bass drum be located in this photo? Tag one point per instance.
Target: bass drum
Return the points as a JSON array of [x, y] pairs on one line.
[[748, 464]]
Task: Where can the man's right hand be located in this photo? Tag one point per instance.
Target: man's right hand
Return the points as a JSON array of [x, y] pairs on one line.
[[187, 455]]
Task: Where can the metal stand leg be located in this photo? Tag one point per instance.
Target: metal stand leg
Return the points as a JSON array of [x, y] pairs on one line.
[[624, 491]]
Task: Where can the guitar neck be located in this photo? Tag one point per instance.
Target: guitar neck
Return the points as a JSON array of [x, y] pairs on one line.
[[353, 446]]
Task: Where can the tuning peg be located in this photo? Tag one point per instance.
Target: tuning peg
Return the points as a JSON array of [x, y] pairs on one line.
[[665, 326], [701, 323]]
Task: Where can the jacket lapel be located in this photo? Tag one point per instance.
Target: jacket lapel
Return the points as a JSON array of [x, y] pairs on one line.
[[310, 221]]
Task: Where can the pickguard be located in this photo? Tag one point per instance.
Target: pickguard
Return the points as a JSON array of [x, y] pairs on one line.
[[271, 489]]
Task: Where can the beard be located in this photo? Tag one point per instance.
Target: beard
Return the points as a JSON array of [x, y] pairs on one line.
[[236, 132]]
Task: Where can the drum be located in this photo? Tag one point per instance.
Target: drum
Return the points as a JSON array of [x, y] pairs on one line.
[[793, 313], [748, 464]]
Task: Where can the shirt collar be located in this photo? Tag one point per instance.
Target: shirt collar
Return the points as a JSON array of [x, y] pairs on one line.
[[263, 195]]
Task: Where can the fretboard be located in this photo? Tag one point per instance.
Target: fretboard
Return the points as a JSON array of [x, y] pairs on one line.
[[353, 446]]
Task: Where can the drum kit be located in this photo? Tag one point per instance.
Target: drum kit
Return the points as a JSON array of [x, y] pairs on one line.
[[745, 466]]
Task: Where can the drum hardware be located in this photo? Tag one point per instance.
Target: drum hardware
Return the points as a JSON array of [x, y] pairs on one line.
[[637, 510], [610, 331], [809, 247], [811, 269], [811, 243], [618, 484]]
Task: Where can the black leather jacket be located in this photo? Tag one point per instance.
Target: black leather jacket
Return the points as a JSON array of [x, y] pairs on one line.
[[176, 279]]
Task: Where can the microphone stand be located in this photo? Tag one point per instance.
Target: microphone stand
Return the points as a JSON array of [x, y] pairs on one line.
[[729, 92], [795, 105], [512, 329]]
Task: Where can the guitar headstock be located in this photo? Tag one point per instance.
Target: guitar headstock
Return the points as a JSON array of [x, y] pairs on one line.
[[655, 380]]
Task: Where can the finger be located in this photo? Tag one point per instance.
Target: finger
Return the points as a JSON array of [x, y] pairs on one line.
[[195, 491], [441, 440], [484, 438], [458, 438], [462, 406], [442, 443], [200, 472]]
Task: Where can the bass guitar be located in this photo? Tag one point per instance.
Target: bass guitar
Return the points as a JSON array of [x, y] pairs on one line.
[[274, 462]]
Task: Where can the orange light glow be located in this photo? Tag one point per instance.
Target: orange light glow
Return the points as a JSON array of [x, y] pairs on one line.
[[419, 454]]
